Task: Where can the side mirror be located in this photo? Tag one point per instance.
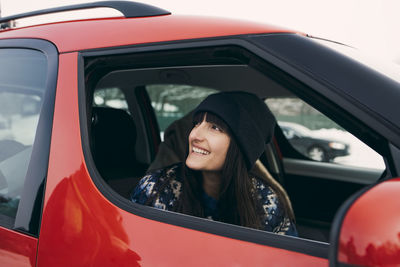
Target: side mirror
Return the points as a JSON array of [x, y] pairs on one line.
[[366, 230]]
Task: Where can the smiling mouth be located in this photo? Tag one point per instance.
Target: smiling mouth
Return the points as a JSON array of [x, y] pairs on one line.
[[200, 151]]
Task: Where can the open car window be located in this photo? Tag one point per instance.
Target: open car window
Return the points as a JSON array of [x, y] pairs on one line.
[[162, 86]]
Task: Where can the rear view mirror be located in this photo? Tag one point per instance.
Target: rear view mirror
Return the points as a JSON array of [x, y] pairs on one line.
[[366, 230]]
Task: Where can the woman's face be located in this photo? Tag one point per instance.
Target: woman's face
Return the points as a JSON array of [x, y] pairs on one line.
[[208, 145]]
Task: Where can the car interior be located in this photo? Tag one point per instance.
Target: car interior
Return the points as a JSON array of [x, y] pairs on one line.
[[126, 124]]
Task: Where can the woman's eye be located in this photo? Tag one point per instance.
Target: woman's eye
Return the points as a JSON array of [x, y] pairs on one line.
[[215, 127]]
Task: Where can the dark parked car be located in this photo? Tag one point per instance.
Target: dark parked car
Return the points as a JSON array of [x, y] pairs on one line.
[[315, 148]]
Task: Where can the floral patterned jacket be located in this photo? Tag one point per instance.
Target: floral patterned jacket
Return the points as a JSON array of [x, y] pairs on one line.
[[273, 216]]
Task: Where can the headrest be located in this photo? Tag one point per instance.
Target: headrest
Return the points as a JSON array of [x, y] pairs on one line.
[[113, 136]]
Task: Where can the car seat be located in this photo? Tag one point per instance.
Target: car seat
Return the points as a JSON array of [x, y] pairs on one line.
[[113, 134]]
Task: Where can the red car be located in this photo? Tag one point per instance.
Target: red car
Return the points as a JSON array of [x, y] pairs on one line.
[[83, 104]]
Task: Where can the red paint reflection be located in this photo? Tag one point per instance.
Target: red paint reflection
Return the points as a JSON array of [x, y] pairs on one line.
[[386, 254], [17, 249], [81, 228]]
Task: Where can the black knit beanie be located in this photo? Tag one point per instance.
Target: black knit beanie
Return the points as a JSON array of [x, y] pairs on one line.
[[248, 117]]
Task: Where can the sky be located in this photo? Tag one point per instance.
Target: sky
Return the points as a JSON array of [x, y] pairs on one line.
[[370, 25]]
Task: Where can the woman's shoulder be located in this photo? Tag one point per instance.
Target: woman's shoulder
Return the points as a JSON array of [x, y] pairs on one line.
[[273, 211], [266, 197], [160, 175], [166, 169], [261, 187], [161, 182]]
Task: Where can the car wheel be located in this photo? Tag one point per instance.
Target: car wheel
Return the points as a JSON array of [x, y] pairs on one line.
[[317, 153]]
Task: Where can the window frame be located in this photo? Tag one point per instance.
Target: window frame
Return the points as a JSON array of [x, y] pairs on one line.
[[282, 68], [29, 211]]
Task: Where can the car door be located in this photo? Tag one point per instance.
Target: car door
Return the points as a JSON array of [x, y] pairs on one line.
[[27, 86], [317, 189], [101, 226]]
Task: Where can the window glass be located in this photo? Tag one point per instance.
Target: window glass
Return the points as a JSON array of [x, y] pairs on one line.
[[22, 84], [172, 102], [110, 97], [317, 137]]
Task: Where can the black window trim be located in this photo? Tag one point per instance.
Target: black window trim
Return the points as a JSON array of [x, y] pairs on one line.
[[29, 211], [310, 247], [323, 95]]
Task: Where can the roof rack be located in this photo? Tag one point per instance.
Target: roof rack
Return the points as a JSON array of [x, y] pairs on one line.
[[127, 8]]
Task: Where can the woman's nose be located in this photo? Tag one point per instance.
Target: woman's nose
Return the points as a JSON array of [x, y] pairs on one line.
[[197, 132]]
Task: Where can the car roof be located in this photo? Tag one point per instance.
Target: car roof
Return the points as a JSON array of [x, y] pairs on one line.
[[79, 35]]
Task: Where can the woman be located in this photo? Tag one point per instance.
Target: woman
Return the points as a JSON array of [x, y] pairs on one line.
[[229, 134]]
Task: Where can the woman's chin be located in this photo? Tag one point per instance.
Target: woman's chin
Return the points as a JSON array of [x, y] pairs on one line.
[[193, 164]]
